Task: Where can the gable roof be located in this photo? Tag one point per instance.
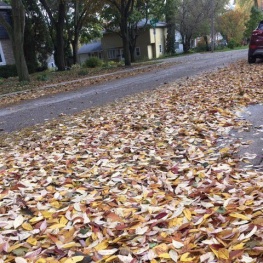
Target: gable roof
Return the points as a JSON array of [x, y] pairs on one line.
[[143, 23], [90, 48], [4, 5]]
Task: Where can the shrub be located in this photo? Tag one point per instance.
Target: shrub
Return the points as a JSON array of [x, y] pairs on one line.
[[232, 44], [42, 77], [93, 62], [8, 71], [83, 72]]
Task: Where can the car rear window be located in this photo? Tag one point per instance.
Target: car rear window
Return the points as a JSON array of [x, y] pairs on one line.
[[260, 26]]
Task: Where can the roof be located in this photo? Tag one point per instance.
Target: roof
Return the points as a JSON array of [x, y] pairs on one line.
[[90, 48], [4, 5], [142, 23]]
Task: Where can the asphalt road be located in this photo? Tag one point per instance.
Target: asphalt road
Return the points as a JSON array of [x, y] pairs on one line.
[[251, 138], [37, 111]]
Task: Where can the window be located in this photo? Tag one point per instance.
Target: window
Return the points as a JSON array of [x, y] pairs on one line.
[[2, 57], [137, 51], [160, 48], [177, 45], [111, 53]]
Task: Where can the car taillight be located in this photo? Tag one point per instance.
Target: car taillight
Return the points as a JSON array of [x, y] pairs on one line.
[[252, 46]]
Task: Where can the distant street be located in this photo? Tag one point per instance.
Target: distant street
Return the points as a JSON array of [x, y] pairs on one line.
[[31, 112]]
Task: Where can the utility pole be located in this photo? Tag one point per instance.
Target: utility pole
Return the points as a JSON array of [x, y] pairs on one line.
[[212, 25]]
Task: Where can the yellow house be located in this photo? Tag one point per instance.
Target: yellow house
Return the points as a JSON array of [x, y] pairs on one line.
[[150, 43]]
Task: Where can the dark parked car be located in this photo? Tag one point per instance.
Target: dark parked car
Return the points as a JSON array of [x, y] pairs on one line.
[[255, 49]]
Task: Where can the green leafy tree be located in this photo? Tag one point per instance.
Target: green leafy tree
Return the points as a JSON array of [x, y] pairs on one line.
[[38, 44], [232, 26], [192, 17], [16, 35], [56, 12], [255, 16], [123, 10], [82, 21]]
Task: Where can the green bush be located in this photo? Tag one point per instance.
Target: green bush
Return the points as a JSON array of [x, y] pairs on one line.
[[42, 77], [83, 72], [8, 71], [232, 44], [93, 62]]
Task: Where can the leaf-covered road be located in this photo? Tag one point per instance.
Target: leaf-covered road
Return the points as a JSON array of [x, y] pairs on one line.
[[30, 112], [141, 180]]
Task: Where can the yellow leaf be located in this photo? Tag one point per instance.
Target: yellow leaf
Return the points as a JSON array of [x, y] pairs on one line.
[[187, 214], [163, 235], [27, 226], [36, 219], [74, 259], [160, 249], [154, 261], [47, 214], [41, 260], [215, 251], [63, 220], [185, 257], [57, 226], [101, 246], [32, 241], [240, 216], [224, 150], [223, 253], [175, 222], [70, 244], [111, 258], [239, 246], [164, 255], [55, 204]]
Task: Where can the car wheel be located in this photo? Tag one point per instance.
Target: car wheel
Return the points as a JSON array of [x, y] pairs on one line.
[[251, 59]]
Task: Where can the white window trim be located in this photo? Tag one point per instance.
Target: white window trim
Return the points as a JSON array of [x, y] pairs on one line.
[[3, 63]]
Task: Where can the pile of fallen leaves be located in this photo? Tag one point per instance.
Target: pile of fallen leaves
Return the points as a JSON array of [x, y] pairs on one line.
[[141, 180]]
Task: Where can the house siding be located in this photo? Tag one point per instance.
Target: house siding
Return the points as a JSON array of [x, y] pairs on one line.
[[142, 42], [149, 42], [8, 52]]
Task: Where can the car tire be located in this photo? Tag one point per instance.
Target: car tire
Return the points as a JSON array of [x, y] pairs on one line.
[[251, 59]]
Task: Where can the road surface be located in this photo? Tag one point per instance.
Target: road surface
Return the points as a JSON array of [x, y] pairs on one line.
[[37, 111]]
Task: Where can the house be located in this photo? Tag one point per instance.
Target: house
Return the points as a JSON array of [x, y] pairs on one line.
[[6, 52], [150, 44], [93, 49]]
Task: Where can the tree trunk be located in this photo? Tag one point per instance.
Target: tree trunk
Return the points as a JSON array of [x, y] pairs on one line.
[[75, 49], [186, 44], [132, 43], [125, 41], [206, 43], [60, 44], [170, 20], [75, 40], [170, 41], [16, 35]]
